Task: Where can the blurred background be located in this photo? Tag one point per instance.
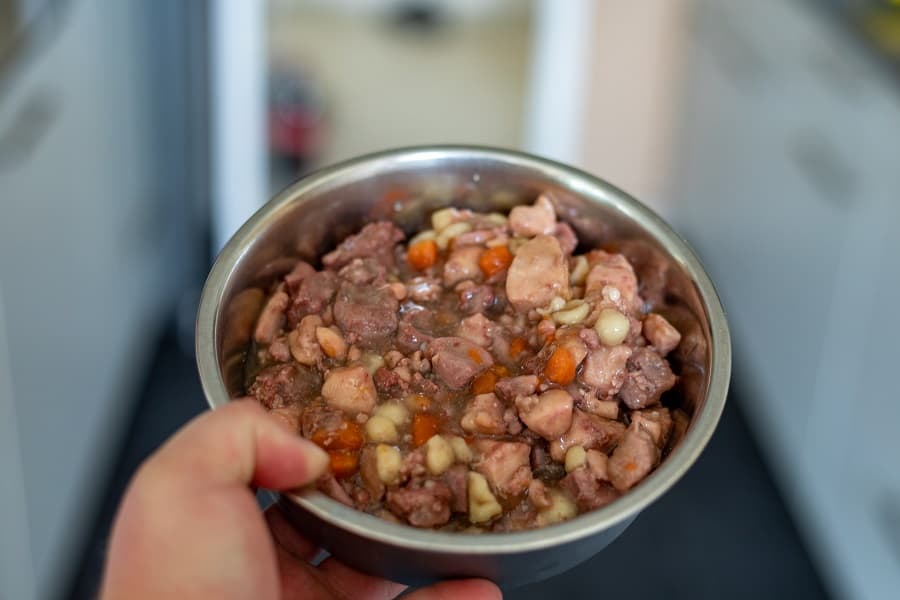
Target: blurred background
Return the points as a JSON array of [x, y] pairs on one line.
[[135, 137]]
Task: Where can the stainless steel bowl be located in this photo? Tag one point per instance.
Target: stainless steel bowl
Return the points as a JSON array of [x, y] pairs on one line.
[[405, 185]]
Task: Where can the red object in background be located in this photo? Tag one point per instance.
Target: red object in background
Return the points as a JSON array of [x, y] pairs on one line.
[[296, 116]]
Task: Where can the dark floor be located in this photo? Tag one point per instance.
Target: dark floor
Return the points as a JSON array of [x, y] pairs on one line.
[[721, 532]]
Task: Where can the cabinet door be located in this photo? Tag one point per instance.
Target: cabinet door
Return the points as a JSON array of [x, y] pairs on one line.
[[85, 272]]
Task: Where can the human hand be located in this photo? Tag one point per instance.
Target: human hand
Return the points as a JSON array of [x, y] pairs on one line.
[[189, 526]]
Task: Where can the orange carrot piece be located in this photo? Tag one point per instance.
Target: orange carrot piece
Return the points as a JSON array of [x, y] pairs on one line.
[[349, 436], [343, 462], [422, 255], [424, 426], [517, 346], [484, 383], [560, 367], [493, 260]]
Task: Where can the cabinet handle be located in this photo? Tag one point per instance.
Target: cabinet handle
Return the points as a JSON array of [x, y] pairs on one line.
[[819, 161]]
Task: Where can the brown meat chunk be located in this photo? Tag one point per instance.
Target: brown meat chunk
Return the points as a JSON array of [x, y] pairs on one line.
[[476, 299], [606, 368], [314, 294], [280, 385], [587, 431], [538, 219], [661, 333], [657, 422], [410, 338], [362, 271], [510, 388], [484, 414], [366, 314], [389, 382], [538, 273], [548, 415], [543, 464], [635, 456], [649, 376], [455, 478], [425, 506], [588, 491], [375, 240], [279, 350], [505, 465], [457, 361], [271, 320], [368, 473], [301, 271], [350, 389], [462, 264]]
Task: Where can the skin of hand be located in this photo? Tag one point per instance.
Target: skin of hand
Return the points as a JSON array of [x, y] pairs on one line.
[[189, 526]]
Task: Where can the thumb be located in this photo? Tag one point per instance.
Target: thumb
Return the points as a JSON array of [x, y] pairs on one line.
[[240, 444]]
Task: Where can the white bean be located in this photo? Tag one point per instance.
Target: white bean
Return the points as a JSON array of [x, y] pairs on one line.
[[372, 362], [422, 236], [394, 412], [612, 327], [579, 270], [460, 449], [561, 508], [575, 312], [333, 345], [483, 506], [441, 219], [381, 429], [575, 458], [387, 463], [450, 232], [438, 455]]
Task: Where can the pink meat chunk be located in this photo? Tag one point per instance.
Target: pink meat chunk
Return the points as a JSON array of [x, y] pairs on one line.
[[538, 273], [606, 368], [484, 414], [505, 465], [548, 415], [425, 506], [477, 329], [635, 456], [612, 270], [588, 492], [510, 388], [457, 361], [462, 264], [661, 333], [538, 219], [588, 431], [375, 240], [350, 389]]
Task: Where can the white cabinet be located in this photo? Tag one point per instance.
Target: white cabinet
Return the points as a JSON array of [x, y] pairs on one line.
[[91, 254], [788, 187]]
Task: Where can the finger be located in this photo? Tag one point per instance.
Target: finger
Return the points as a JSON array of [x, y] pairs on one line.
[[471, 589], [287, 536], [240, 444], [350, 583]]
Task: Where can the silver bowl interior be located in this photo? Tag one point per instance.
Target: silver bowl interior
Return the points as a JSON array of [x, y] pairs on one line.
[[405, 186]]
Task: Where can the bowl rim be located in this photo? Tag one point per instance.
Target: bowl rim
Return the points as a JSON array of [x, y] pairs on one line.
[[575, 180]]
